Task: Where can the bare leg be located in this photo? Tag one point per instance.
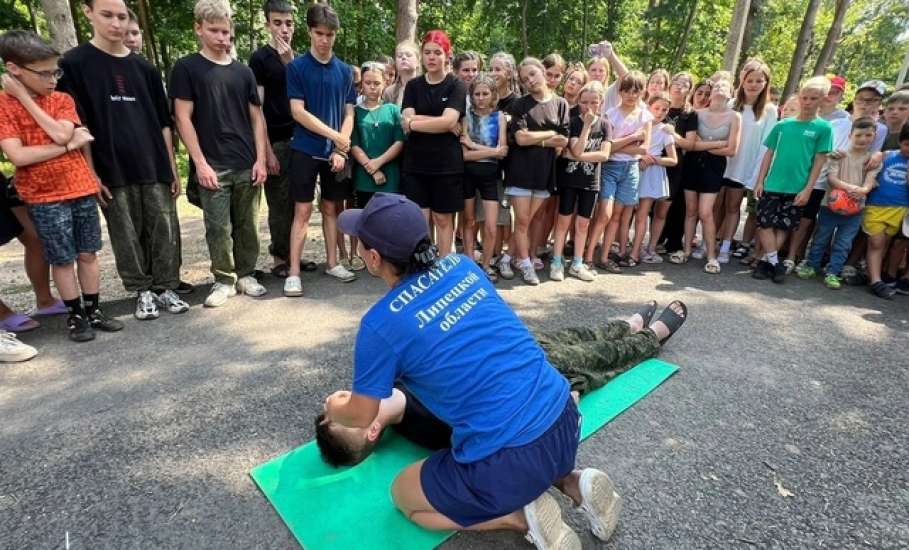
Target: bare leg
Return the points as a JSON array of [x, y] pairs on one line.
[[877, 244], [800, 239], [611, 229], [467, 221], [89, 272], [330, 210], [490, 209], [705, 212], [660, 211], [691, 220], [601, 220], [895, 256], [65, 279], [37, 270], [561, 231], [298, 229], [445, 230], [640, 227], [581, 226], [733, 209], [624, 226]]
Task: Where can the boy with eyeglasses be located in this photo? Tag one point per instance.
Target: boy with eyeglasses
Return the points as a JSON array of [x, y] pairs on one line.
[[41, 134]]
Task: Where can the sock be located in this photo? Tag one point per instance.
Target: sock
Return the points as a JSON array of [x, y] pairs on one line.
[[725, 246], [505, 258], [75, 306], [91, 303], [577, 261], [772, 258], [556, 260], [526, 263]]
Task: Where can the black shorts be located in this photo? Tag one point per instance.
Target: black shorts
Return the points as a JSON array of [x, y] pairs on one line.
[[675, 174], [482, 177], [302, 177], [813, 206], [704, 172], [420, 426], [441, 193], [777, 211], [9, 225], [732, 184], [573, 200], [362, 197]]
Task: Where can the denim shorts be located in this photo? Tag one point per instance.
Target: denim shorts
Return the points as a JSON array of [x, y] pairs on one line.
[[67, 228], [505, 481], [620, 181], [520, 192]]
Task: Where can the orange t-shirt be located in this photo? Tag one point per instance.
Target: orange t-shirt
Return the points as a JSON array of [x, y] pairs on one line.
[[60, 178]]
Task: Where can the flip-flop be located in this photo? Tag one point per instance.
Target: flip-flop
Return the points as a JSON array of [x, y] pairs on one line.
[[19, 323], [280, 271], [306, 265], [672, 320], [646, 312], [57, 308]]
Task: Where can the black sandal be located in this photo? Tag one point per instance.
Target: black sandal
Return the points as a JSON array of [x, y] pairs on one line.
[[646, 312], [306, 265], [280, 271], [628, 261], [672, 320]]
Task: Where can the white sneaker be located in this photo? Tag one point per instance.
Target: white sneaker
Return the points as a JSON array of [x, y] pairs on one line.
[[723, 257], [219, 294], [789, 265], [581, 272], [146, 306], [649, 257], [14, 351], [600, 503], [557, 271], [341, 273], [505, 267], [529, 274], [698, 253], [546, 529], [250, 286], [293, 287], [172, 303]]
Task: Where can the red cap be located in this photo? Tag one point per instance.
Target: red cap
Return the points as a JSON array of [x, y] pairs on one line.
[[837, 81]]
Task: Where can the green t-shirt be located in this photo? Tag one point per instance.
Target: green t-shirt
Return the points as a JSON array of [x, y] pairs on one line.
[[375, 131], [795, 143]]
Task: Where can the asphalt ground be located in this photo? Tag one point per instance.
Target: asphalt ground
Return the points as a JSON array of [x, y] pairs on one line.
[[785, 427]]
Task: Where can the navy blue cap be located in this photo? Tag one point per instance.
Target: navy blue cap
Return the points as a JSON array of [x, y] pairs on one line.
[[391, 224]]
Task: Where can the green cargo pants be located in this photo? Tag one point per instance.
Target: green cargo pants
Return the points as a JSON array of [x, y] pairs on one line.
[[231, 226], [591, 357], [280, 205], [145, 236]]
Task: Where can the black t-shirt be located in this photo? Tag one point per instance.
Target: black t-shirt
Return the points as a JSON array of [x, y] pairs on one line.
[[271, 74], [683, 122], [534, 167], [434, 153], [505, 103], [221, 96], [420, 426], [580, 174], [121, 100]]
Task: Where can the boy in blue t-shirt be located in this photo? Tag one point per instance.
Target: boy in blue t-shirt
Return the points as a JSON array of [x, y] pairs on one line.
[[322, 97], [888, 205], [796, 152]]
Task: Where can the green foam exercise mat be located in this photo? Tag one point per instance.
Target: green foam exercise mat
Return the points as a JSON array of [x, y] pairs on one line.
[[351, 508]]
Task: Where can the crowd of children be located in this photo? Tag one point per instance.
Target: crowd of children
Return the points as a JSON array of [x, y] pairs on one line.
[[516, 162]]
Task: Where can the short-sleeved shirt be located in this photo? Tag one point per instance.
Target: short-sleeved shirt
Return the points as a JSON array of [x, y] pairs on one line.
[[60, 178], [495, 388], [121, 100], [434, 153], [850, 169], [795, 143], [326, 90], [579, 174], [892, 188], [375, 130], [744, 166], [622, 125], [271, 74], [534, 167], [221, 96]]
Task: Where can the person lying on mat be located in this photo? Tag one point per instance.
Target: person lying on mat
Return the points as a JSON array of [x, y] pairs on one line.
[[587, 357], [444, 332]]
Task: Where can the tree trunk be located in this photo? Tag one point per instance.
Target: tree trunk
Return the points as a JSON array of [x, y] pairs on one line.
[[75, 12], [60, 24], [406, 21], [833, 38], [148, 32], [683, 41], [903, 71], [752, 29], [524, 28], [802, 45], [736, 35], [32, 15]]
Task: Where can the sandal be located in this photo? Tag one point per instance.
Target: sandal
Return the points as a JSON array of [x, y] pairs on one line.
[[646, 312], [306, 265], [747, 260], [712, 266], [678, 257], [672, 320], [57, 308], [280, 271], [741, 251], [628, 261], [609, 266], [18, 323]]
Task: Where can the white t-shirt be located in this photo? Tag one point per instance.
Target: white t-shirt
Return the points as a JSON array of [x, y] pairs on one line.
[[745, 165]]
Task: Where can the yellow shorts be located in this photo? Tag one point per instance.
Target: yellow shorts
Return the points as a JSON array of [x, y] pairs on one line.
[[883, 219]]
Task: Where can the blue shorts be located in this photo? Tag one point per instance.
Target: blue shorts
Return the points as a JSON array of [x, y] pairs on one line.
[[505, 481], [619, 181], [67, 228]]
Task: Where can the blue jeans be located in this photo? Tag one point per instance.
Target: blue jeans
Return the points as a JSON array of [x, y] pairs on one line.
[[619, 181], [842, 230]]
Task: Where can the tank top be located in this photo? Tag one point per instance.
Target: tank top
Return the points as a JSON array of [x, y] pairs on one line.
[[710, 133]]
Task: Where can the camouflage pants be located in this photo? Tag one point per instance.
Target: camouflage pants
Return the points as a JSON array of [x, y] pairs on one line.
[[145, 236], [280, 205], [231, 226], [591, 357]]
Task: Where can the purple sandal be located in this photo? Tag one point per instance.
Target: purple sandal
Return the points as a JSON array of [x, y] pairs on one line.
[[57, 308], [18, 323]]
